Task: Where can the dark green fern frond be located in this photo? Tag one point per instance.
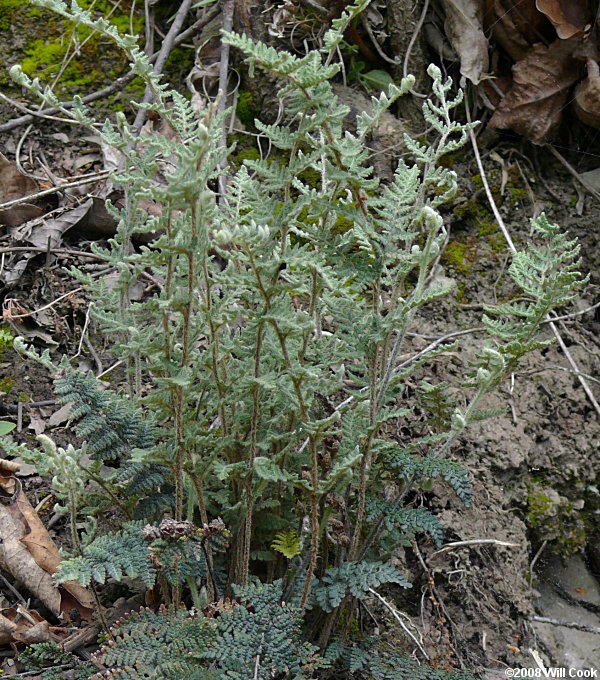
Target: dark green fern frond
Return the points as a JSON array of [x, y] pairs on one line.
[[179, 560], [372, 659], [108, 421], [454, 473], [410, 466], [406, 520], [255, 637], [355, 578], [165, 644], [114, 555]]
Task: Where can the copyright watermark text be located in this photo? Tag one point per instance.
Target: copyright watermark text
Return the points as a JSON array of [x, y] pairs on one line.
[[551, 673]]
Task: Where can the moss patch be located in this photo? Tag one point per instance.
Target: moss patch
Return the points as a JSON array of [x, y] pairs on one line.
[[556, 519], [460, 255], [246, 109], [54, 47]]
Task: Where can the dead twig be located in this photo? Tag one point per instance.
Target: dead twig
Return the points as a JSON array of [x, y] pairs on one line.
[[166, 49], [536, 557], [31, 115], [55, 251], [88, 179], [396, 614], [567, 624], [228, 8], [473, 541], [8, 302], [411, 44], [584, 183], [367, 26]]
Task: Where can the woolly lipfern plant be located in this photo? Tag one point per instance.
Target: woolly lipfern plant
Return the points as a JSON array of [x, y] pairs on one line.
[[272, 349]]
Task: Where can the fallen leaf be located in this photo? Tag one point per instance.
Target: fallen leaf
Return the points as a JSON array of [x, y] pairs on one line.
[[517, 26], [61, 416], [86, 159], [38, 425], [26, 625], [592, 179], [587, 96], [19, 214], [49, 233], [61, 137], [464, 28], [29, 554], [25, 469], [569, 17], [16, 559], [13, 185], [541, 82]]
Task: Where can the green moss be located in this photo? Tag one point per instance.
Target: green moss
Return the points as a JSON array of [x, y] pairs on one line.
[[460, 256], [461, 293], [556, 519], [477, 182], [517, 194], [248, 154], [245, 109], [342, 225], [450, 160], [311, 178], [474, 212], [178, 66], [6, 385], [497, 243], [7, 13], [48, 52], [6, 340]]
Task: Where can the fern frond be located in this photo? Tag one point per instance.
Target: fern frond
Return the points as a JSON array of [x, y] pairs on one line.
[[288, 544], [354, 578], [118, 555]]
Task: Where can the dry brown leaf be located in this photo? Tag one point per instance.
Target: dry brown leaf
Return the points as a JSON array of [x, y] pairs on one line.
[[16, 559], [14, 184], [29, 554], [569, 17], [541, 81], [19, 214], [587, 96], [61, 416], [464, 28], [26, 625], [517, 26], [49, 233]]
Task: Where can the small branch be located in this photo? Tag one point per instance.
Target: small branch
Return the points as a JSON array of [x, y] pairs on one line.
[[31, 115], [396, 614], [584, 183], [228, 9], [90, 179], [411, 44], [474, 541], [166, 48], [568, 624], [54, 251]]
